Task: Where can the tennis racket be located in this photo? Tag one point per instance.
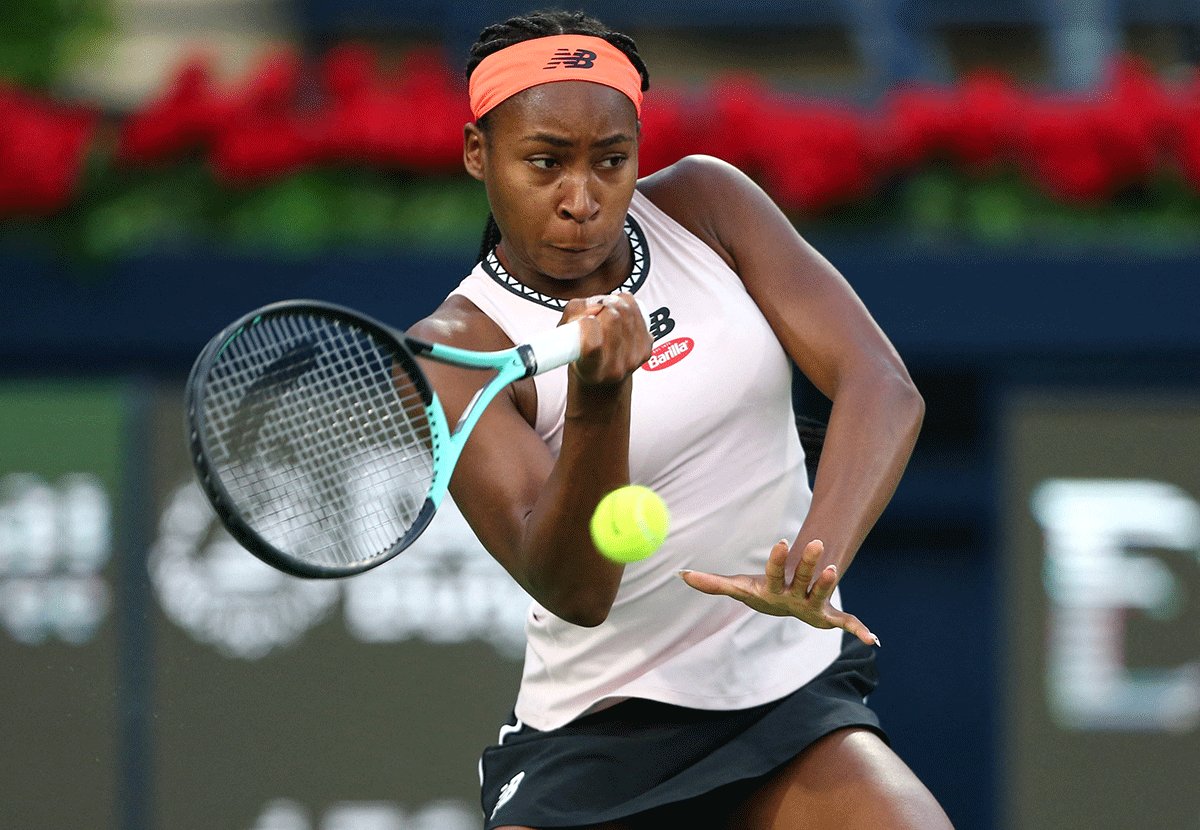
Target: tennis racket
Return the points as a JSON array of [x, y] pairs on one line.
[[318, 439]]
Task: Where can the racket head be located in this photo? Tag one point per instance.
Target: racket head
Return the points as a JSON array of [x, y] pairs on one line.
[[316, 437]]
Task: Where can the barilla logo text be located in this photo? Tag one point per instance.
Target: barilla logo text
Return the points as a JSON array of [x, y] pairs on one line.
[[566, 59], [669, 353]]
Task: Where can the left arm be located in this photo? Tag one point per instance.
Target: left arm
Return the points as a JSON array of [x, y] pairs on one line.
[[828, 333]]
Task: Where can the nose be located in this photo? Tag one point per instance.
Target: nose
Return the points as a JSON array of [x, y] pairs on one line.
[[577, 202]]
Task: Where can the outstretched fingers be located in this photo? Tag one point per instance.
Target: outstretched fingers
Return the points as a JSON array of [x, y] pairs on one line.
[[717, 584], [776, 572], [806, 597], [852, 624], [806, 569]]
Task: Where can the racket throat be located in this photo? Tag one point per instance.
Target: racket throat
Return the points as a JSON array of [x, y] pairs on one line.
[[528, 359]]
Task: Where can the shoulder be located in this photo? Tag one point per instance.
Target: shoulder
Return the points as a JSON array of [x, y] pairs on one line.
[[459, 322], [697, 175], [709, 197]]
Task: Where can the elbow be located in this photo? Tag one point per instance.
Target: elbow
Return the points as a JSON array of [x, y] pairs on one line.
[[583, 609], [906, 404], [571, 581], [586, 617], [890, 393], [912, 403], [585, 606], [883, 386]]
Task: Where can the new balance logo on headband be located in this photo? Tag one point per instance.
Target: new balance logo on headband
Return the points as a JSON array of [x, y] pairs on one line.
[[507, 71], [566, 59]]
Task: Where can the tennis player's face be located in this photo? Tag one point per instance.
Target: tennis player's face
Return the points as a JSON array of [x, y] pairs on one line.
[[560, 165]]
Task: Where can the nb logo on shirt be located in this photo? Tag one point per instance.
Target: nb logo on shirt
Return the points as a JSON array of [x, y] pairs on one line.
[[566, 59], [661, 323]]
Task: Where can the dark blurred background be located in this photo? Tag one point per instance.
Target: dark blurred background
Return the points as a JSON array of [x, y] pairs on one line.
[[1012, 187]]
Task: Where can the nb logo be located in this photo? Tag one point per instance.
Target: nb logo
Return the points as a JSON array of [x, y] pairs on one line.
[[661, 323], [508, 791], [566, 59]]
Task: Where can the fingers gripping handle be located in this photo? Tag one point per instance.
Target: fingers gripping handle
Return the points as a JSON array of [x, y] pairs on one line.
[[559, 346]]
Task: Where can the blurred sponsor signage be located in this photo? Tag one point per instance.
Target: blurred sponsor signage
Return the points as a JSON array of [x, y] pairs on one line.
[[62, 449], [444, 588], [1101, 599]]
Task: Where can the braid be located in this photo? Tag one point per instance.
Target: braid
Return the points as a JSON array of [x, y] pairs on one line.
[[491, 238], [529, 27]]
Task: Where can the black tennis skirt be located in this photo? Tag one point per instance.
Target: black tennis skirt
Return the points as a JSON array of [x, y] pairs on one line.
[[639, 755]]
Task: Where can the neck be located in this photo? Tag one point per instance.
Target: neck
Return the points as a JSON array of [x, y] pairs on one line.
[[612, 273]]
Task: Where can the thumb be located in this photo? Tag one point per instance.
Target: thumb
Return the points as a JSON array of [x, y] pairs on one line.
[[707, 583]]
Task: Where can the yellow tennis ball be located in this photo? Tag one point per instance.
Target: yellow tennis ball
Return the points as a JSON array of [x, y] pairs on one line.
[[630, 523]]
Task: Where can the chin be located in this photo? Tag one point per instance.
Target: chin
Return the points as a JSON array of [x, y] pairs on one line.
[[564, 267]]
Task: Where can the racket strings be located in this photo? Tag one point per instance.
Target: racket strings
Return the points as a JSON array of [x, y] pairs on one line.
[[321, 439]]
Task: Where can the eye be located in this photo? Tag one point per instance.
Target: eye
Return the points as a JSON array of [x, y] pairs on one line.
[[544, 163], [612, 162]]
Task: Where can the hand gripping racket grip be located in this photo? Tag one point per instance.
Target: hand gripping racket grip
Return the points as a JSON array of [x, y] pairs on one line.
[[557, 347]]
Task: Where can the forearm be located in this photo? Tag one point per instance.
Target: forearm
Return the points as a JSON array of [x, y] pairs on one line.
[[873, 427], [561, 566]]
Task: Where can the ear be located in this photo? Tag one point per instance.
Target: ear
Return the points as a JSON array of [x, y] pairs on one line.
[[473, 150]]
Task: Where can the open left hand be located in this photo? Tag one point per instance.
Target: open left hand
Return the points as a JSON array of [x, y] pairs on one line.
[[804, 598]]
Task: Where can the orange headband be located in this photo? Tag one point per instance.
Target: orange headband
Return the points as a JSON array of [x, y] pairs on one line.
[[555, 58]]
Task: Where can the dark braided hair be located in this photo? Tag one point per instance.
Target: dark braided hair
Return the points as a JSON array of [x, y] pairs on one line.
[[529, 27]]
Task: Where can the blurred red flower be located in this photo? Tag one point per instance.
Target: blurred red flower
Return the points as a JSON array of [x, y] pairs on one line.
[[820, 157], [810, 155], [736, 130], [184, 119], [412, 119], [985, 120], [266, 131], [43, 147], [914, 125], [669, 131]]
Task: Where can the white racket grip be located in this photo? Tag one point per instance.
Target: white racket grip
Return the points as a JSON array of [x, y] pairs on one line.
[[557, 347], [562, 345]]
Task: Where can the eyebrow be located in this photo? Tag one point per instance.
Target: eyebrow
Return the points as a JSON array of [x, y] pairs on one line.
[[559, 141]]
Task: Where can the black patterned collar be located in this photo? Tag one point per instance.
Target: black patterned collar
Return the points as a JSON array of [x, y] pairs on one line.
[[637, 275]]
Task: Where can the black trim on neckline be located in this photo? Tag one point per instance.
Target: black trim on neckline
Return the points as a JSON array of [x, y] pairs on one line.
[[637, 275]]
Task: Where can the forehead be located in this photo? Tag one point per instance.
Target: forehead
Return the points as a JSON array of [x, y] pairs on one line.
[[567, 108]]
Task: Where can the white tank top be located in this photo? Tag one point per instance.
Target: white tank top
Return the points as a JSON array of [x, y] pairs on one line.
[[713, 433]]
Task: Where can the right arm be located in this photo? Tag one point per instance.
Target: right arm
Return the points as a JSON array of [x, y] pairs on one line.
[[528, 509]]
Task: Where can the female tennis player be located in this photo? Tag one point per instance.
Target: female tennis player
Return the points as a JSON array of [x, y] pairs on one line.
[[718, 682]]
